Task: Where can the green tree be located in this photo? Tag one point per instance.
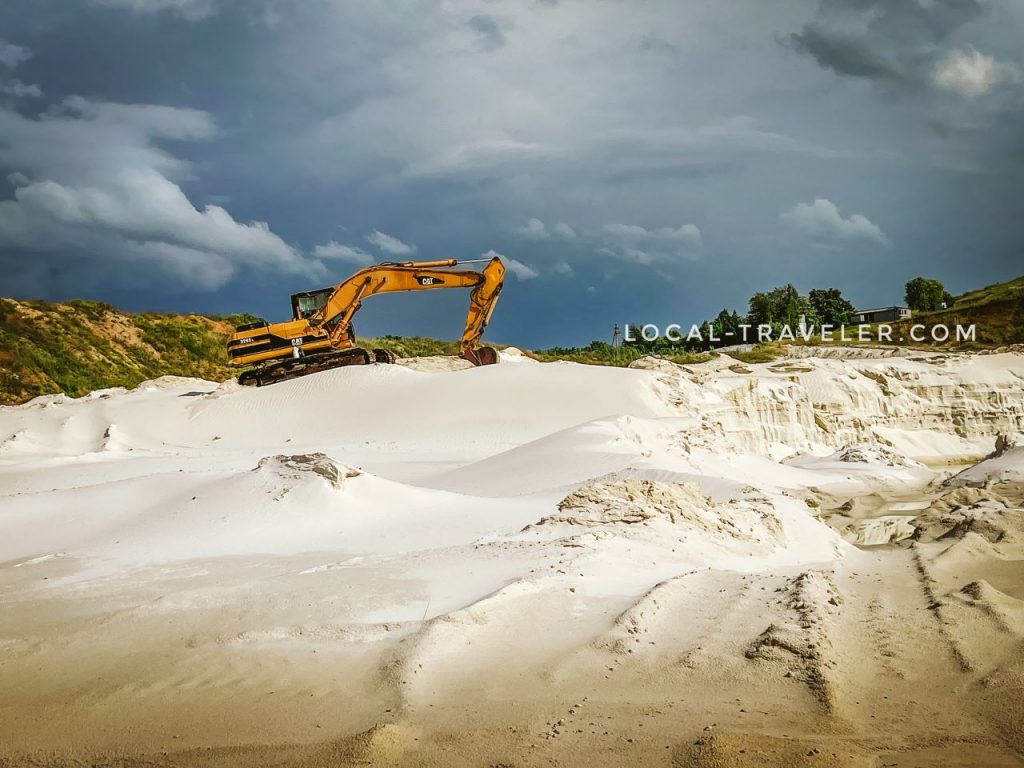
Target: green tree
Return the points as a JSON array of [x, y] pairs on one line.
[[727, 326], [924, 294], [762, 309], [830, 306], [706, 331], [784, 305]]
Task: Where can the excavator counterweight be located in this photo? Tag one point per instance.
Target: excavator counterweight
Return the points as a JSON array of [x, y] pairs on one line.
[[320, 336]]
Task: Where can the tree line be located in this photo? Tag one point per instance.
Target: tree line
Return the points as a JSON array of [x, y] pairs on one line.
[[785, 307]]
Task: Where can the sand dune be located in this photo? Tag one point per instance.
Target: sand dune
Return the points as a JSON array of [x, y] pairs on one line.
[[814, 562]]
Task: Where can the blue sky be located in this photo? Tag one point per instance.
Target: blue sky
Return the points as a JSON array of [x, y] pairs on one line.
[[632, 161]]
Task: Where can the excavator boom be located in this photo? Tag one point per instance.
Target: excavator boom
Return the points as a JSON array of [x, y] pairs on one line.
[[320, 336]]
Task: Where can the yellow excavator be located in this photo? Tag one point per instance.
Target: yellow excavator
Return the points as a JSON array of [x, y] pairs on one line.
[[320, 335]]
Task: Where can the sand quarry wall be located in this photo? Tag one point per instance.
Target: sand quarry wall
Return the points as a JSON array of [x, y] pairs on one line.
[[932, 407]]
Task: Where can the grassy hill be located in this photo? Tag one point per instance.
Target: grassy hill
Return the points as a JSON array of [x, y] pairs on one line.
[[997, 311], [78, 346]]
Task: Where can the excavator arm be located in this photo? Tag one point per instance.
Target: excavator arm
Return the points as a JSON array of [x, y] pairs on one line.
[[341, 306], [481, 305]]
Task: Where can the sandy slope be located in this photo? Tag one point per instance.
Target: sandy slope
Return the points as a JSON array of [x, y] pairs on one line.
[[813, 562]]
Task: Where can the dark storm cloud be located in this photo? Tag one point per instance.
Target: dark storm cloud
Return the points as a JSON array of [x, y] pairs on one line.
[[654, 44], [935, 48], [490, 32], [895, 42], [847, 55], [666, 155]]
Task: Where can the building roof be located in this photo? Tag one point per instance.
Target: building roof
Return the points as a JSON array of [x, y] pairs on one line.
[[876, 309]]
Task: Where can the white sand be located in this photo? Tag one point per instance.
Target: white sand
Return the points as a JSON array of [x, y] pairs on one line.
[[521, 564]]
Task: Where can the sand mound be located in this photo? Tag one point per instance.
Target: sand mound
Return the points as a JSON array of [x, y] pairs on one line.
[[747, 750], [435, 363], [630, 502], [651, 363], [804, 351], [966, 496], [639, 502], [601, 447], [634, 622], [887, 529], [383, 744], [514, 355], [970, 510], [874, 453], [1004, 465], [1006, 611], [299, 467], [803, 644]]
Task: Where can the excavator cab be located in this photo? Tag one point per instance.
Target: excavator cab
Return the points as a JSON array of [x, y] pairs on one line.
[[309, 302]]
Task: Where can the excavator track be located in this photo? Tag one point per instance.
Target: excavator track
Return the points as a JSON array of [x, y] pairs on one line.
[[303, 366]]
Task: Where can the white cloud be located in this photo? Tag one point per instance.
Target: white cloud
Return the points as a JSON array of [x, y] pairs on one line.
[[191, 10], [516, 267], [637, 255], [687, 234], [971, 73], [20, 90], [534, 229], [479, 157], [645, 246], [564, 230], [12, 55], [389, 244], [822, 220], [563, 268], [335, 250], [91, 181]]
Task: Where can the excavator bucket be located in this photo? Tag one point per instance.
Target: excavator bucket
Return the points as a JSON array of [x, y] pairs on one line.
[[481, 356]]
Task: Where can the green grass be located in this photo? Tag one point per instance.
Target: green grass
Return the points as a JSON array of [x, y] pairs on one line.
[[411, 346], [80, 346], [1010, 291], [237, 319], [595, 354], [761, 353], [996, 311], [602, 353]]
